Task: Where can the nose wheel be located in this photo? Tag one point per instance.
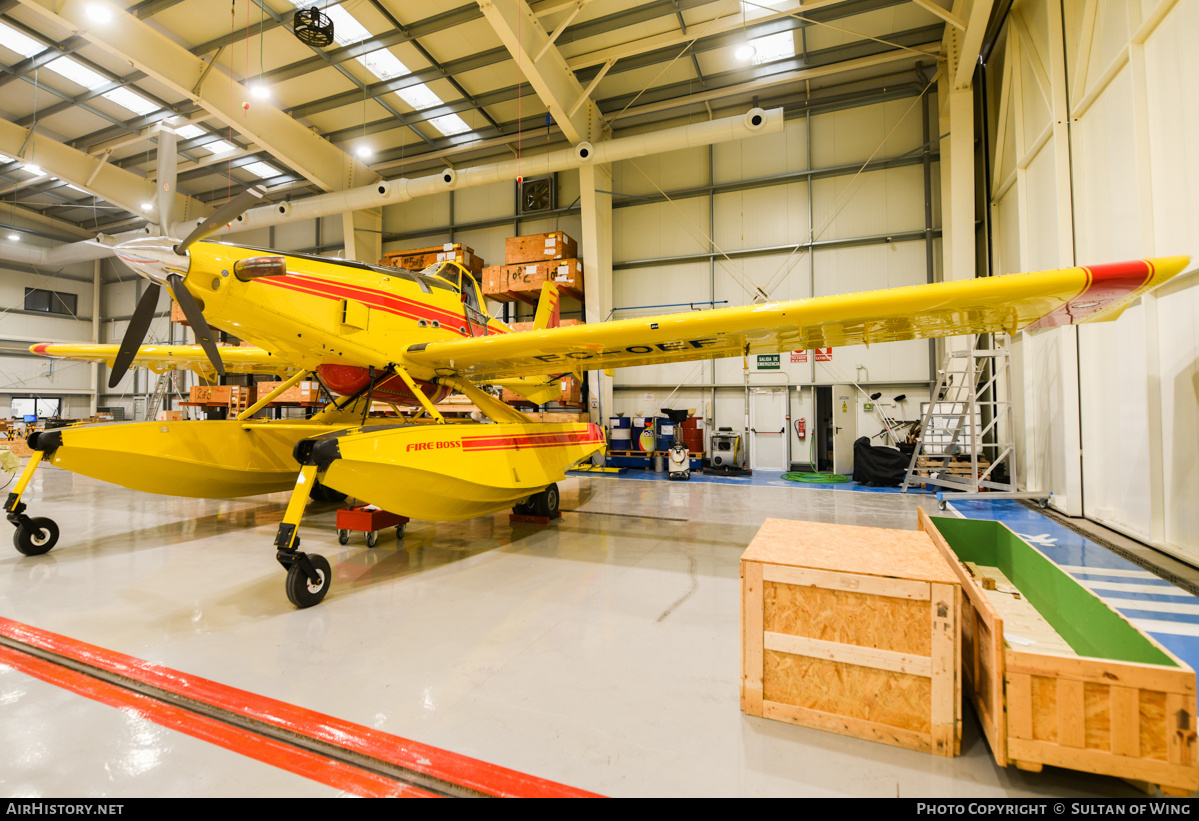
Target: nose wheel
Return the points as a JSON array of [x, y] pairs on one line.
[[303, 591], [33, 537]]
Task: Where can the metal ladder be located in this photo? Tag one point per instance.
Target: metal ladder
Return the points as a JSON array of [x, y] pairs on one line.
[[160, 389], [965, 417]]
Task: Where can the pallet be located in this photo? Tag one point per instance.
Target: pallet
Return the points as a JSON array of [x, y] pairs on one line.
[[1118, 703]]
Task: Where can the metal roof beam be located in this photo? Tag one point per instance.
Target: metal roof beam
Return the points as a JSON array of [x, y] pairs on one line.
[[544, 68], [167, 62]]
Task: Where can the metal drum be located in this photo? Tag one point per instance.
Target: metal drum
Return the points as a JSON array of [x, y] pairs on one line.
[[620, 433]]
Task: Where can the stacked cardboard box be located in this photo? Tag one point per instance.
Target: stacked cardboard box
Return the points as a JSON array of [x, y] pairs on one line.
[[418, 259]]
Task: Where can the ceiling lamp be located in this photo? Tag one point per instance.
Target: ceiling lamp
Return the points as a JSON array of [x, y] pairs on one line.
[[15, 237], [313, 27], [364, 152]]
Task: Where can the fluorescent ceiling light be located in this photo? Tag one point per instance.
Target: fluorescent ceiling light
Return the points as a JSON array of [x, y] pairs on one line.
[[261, 170], [14, 40]]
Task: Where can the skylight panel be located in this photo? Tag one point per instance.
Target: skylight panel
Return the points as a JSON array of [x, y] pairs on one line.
[[450, 125], [16, 41], [77, 73], [190, 131], [219, 147], [773, 47], [384, 65], [261, 170], [419, 96], [127, 99]]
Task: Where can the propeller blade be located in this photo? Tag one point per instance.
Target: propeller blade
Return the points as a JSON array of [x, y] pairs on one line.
[[135, 334], [195, 318], [225, 214]]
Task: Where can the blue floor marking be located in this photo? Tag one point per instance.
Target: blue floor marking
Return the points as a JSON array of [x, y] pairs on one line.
[[1065, 547]]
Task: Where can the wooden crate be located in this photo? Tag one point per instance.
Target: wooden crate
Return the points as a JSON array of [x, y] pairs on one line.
[[418, 259], [1098, 695], [232, 395], [539, 247], [852, 630], [520, 327], [305, 391], [528, 277]]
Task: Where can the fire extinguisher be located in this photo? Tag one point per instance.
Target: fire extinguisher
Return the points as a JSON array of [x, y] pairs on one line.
[[801, 427]]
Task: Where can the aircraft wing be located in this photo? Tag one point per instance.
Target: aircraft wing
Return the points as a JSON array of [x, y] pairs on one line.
[[159, 358], [993, 304]]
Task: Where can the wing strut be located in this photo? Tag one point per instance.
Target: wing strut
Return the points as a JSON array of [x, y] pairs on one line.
[[420, 395], [494, 408], [270, 397]]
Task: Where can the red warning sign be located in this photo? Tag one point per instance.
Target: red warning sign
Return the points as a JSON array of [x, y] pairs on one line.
[[822, 355]]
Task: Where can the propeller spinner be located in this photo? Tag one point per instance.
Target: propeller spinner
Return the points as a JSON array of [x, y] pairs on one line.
[[164, 262]]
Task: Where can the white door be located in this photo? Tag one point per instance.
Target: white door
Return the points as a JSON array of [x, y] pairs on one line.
[[845, 428], [768, 429]]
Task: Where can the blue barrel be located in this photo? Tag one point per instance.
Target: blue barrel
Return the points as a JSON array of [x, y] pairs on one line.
[[664, 431], [620, 433]]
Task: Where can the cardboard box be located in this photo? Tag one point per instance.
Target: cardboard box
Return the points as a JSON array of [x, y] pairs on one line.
[[853, 630], [539, 248], [1056, 675]]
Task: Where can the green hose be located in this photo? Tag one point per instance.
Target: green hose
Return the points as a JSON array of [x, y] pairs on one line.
[[816, 478]]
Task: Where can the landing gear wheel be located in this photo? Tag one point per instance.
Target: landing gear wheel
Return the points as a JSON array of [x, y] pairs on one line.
[[524, 508], [545, 503], [321, 493], [400, 530], [303, 593], [372, 538], [36, 537], [343, 537]]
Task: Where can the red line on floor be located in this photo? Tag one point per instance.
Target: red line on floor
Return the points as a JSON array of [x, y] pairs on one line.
[[412, 755], [301, 762]]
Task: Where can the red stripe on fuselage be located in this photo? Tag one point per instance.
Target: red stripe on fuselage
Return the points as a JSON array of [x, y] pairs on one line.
[[1106, 284]]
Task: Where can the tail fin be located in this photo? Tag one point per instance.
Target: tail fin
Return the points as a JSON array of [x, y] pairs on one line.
[[547, 307]]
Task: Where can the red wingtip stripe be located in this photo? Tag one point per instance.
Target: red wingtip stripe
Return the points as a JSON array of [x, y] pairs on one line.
[[41, 348], [1107, 286]]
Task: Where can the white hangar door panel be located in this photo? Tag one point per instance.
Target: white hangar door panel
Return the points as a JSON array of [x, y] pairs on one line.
[[768, 429]]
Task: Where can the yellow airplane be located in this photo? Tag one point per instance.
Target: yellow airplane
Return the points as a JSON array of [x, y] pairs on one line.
[[410, 338]]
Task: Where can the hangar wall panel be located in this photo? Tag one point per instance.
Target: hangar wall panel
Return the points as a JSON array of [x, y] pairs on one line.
[[1133, 92]]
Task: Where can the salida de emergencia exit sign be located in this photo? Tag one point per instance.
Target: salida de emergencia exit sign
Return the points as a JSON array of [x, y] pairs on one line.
[[768, 362]]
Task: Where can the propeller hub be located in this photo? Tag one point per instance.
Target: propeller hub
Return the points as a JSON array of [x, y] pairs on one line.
[[154, 258]]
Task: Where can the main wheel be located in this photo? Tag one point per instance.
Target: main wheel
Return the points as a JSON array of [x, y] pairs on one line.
[[372, 538], [321, 493], [36, 538], [545, 503], [524, 508], [303, 593]]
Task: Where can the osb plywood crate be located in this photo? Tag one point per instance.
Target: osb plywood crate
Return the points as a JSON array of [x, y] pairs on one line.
[[539, 247], [1056, 675], [852, 630]]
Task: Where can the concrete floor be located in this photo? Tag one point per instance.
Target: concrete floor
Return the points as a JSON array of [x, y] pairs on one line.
[[601, 651]]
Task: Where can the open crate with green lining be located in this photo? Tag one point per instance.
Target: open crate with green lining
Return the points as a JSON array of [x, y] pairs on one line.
[[1116, 702]]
